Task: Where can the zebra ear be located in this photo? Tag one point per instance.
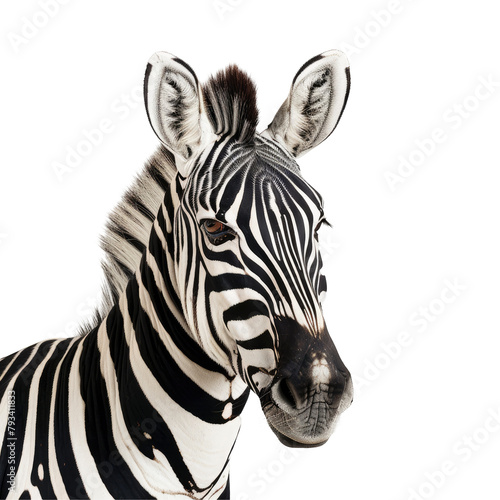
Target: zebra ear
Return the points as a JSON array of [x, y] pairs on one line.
[[315, 104], [172, 96]]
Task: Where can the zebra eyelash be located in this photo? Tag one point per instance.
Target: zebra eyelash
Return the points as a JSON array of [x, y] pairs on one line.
[[323, 221]]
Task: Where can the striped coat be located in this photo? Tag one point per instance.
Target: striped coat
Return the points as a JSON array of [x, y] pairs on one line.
[[214, 289]]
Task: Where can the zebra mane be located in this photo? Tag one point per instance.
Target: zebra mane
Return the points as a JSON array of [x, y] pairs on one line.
[[128, 227], [231, 103], [230, 100]]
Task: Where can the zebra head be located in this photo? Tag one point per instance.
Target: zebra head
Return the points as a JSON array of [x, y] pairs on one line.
[[244, 224]]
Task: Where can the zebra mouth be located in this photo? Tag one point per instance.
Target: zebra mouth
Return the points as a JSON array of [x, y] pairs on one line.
[[293, 443], [299, 429]]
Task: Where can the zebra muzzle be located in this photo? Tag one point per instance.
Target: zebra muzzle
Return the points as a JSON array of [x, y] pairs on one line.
[[312, 387]]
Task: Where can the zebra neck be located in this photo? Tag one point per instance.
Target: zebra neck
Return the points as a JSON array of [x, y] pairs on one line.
[[174, 407]]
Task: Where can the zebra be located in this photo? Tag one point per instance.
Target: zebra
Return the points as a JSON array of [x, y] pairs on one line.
[[213, 289]]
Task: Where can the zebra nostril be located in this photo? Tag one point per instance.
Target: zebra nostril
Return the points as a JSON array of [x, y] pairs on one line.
[[286, 394]]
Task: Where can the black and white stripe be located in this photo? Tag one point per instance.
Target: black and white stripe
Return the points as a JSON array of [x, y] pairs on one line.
[[146, 403]]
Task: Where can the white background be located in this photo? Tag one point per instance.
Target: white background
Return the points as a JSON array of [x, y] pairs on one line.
[[414, 65]]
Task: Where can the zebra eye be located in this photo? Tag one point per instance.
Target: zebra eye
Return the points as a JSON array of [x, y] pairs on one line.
[[214, 227], [216, 231], [318, 226]]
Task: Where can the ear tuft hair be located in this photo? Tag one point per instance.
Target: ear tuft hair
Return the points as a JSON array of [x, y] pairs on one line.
[[231, 104]]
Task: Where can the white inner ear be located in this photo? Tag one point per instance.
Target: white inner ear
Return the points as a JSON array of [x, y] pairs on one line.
[[315, 103], [179, 114], [173, 105], [311, 102]]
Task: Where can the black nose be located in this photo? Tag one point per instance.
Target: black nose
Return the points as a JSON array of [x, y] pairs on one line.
[[296, 392], [310, 370], [285, 391]]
